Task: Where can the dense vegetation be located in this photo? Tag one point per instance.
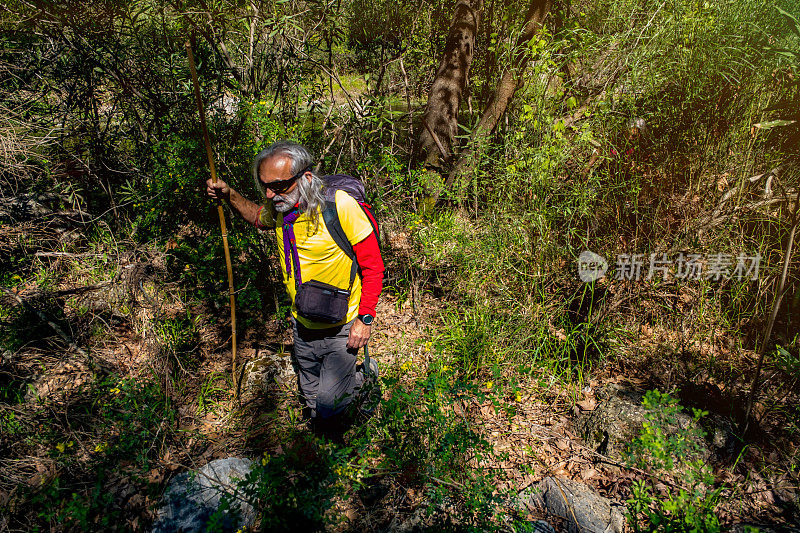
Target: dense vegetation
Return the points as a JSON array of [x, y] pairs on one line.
[[632, 127]]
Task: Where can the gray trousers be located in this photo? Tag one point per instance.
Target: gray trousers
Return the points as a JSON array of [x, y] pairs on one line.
[[326, 368]]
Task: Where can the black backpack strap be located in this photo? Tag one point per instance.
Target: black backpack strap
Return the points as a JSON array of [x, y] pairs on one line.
[[331, 217]]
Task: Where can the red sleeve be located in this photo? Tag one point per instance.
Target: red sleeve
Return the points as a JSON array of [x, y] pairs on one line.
[[368, 255], [257, 222]]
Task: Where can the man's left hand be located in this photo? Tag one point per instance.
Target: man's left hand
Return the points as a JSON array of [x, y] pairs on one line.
[[359, 334]]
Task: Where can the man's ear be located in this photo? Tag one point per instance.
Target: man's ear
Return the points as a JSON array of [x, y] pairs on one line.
[[308, 176]]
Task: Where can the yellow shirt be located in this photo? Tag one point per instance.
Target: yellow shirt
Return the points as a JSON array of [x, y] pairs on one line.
[[320, 257]]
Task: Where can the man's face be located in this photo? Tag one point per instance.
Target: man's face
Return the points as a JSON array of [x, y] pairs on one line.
[[276, 170]]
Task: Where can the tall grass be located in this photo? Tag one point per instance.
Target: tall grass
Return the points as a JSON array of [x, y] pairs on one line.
[[699, 75]]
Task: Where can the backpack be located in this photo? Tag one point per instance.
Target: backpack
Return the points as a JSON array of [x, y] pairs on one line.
[[355, 188]]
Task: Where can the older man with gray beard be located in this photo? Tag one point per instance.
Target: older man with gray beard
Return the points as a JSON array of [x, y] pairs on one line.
[[328, 377]]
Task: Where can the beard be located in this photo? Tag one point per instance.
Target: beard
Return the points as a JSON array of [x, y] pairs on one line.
[[285, 202]]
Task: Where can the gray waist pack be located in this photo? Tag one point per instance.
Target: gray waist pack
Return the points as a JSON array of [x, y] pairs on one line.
[[321, 302]]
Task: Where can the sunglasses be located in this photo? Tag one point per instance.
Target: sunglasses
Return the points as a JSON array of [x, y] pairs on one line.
[[281, 186]]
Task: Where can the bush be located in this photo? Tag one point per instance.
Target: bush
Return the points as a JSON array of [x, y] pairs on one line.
[[688, 503], [417, 441]]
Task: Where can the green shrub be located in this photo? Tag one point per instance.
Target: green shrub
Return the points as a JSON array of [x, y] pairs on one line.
[[688, 504], [417, 440]]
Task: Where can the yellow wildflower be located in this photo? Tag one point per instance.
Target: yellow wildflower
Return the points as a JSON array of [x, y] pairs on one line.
[[489, 385], [101, 447], [518, 397], [61, 447]]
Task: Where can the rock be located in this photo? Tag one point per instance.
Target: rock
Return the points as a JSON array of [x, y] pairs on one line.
[[582, 509], [614, 423], [192, 497], [619, 416], [24, 207], [228, 104], [265, 369]]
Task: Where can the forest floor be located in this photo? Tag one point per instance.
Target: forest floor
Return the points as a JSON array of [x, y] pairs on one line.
[[108, 425]]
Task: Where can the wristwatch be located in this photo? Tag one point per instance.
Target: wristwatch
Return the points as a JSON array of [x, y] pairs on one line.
[[366, 319]]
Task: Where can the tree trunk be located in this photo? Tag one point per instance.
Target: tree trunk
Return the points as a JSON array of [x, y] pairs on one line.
[[511, 81], [440, 120]]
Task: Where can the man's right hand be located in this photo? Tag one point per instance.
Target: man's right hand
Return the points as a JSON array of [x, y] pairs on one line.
[[218, 190]]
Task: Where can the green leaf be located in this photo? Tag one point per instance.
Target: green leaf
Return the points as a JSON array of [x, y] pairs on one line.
[[773, 124], [789, 54], [792, 18]]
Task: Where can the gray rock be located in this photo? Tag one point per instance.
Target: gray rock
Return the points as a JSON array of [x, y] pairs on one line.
[[619, 416], [24, 207], [192, 497], [582, 509], [614, 423], [265, 369], [618, 419]]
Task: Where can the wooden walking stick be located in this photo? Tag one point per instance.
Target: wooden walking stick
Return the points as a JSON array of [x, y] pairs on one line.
[[222, 224]]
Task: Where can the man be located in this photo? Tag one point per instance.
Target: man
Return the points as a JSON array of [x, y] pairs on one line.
[[325, 353]]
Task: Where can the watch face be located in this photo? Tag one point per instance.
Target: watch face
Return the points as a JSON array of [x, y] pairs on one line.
[[367, 319]]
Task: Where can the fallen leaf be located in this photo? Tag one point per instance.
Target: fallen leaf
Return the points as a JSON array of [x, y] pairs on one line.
[[589, 404], [137, 500], [155, 476], [556, 332]]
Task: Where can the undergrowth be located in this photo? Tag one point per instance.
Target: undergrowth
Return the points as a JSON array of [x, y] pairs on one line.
[[417, 441], [689, 501], [640, 127]]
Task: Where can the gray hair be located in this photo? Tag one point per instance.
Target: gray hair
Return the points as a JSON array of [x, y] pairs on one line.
[[312, 197]]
